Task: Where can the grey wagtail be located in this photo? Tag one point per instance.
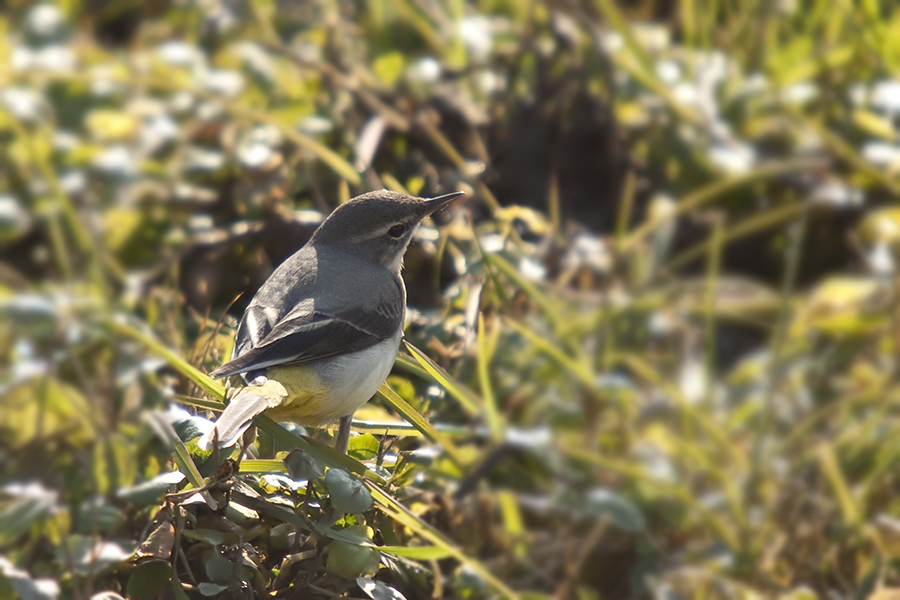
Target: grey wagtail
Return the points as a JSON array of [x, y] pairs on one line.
[[321, 334]]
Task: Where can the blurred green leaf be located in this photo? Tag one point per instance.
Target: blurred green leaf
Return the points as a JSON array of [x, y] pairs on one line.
[[148, 579], [389, 67], [348, 494], [620, 512]]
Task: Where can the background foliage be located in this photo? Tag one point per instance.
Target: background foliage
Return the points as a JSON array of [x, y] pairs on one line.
[[653, 352]]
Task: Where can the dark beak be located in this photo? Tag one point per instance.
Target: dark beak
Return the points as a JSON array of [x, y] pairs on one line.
[[435, 204]]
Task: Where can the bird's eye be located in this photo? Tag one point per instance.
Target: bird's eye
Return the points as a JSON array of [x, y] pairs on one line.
[[396, 231]]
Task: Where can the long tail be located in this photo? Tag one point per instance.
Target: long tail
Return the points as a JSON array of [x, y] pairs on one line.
[[245, 406]]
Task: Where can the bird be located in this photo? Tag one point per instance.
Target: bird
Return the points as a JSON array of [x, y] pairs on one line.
[[321, 335]]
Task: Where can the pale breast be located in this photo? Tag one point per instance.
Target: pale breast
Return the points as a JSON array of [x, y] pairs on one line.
[[335, 387], [354, 378]]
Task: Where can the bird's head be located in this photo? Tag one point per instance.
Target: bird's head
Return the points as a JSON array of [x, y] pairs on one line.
[[378, 225]]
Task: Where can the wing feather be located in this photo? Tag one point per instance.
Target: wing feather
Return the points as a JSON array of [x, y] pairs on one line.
[[288, 323], [295, 343]]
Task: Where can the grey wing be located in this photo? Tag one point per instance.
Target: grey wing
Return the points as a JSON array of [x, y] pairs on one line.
[[305, 335], [254, 327]]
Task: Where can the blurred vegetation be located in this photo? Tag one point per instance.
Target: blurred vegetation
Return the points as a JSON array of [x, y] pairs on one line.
[[653, 353]]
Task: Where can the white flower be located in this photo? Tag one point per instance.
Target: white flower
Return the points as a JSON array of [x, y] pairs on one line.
[[881, 154], [835, 193], [24, 104], [475, 33], [653, 38], [179, 54], [223, 82], [315, 124], [103, 83], [800, 93], [201, 159], [857, 94], [425, 70], [44, 20], [881, 260], [611, 42], [732, 158], [686, 93], [256, 59], [589, 251], [885, 96], [73, 181], [531, 269], [155, 132], [668, 71], [116, 160], [254, 155], [57, 58], [489, 82], [692, 380]]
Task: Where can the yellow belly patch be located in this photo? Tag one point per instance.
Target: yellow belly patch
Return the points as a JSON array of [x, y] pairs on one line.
[[297, 394]]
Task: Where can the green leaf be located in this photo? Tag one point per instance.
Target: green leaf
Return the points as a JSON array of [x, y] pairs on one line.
[[301, 466], [388, 68], [618, 509], [378, 590], [148, 579], [211, 589], [88, 554], [351, 561], [19, 515], [46, 407], [873, 124], [363, 447], [115, 464], [218, 568], [348, 494], [282, 536], [148, 492], [93, 517], [210, 536]]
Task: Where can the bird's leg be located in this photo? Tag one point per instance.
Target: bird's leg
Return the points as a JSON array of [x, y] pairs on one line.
[[343, 437]]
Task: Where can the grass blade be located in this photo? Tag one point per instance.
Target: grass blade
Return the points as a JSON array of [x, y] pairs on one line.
[[549, 310], [180, 454], [495, 421], [405, 517], [418, 421], [715, 190], [582, 372], [416, 552], [467, 399], [321, 452], [201, 379]]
